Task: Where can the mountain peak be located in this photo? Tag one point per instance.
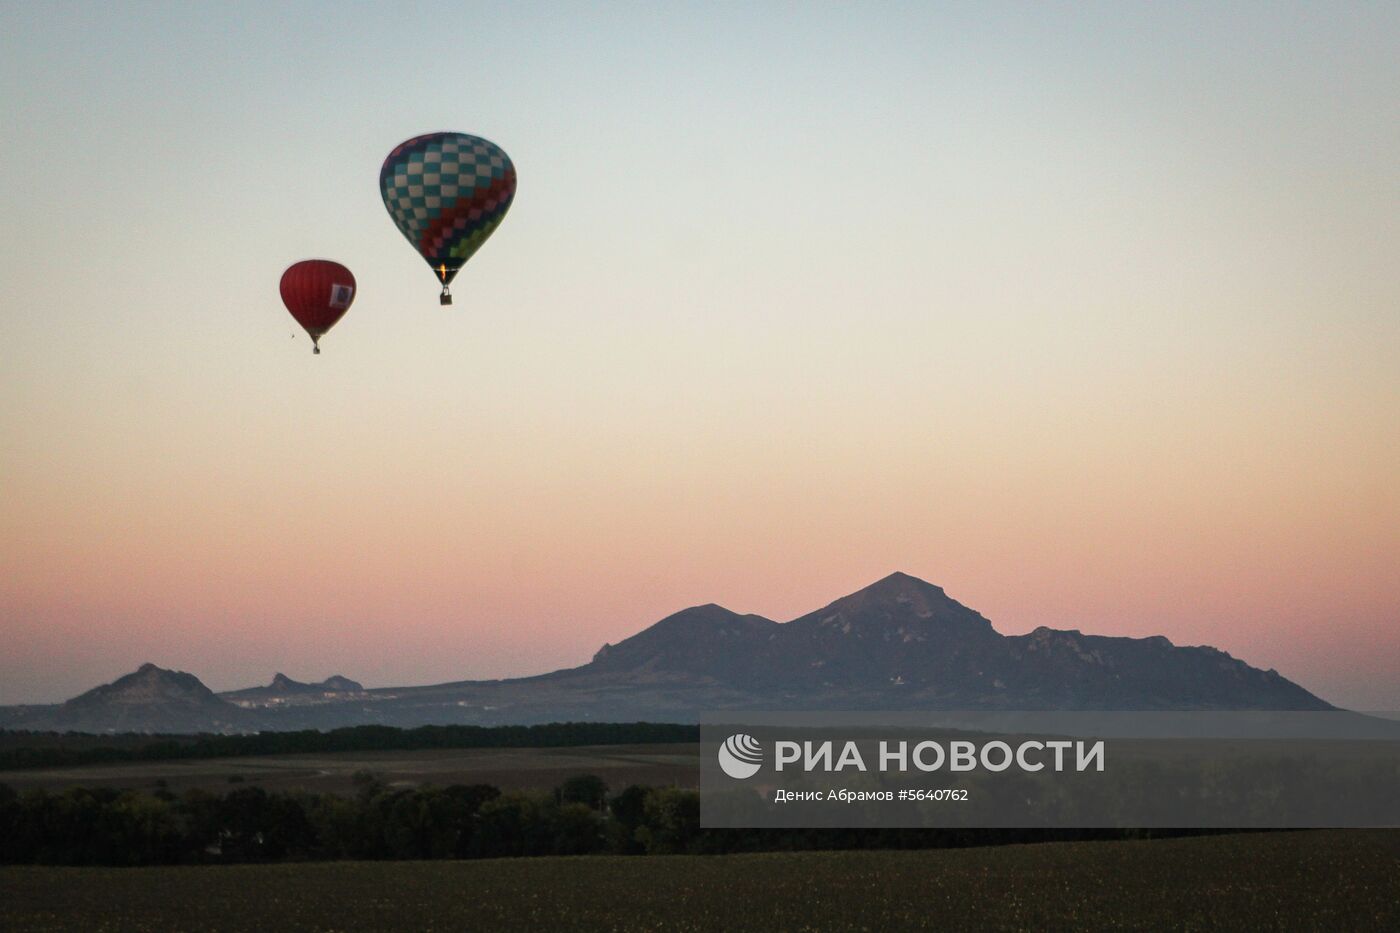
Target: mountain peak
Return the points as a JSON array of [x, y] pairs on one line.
[[900, 584], [702, 639], [705, 614], [898, 600], [901, 578], [147, 681], [149, 699], [335, 682]]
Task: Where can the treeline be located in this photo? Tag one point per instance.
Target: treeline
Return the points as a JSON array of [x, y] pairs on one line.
[[82, 826], [349, 739]]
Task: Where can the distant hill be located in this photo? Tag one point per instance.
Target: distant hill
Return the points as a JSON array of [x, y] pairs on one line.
[[284, 690], [898, 644], [150, 699]]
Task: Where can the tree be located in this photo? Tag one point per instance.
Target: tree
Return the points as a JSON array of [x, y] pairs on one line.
[[587, 789], [671, 820]]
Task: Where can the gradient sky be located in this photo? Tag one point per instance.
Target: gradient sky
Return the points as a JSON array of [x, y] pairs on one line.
[[1089, 314]]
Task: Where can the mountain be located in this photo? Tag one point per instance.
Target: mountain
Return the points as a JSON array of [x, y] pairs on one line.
[[898, 632], [898, 644], [150, 699], [902, 643], [1055, 669], [705, 641], [285, 690]]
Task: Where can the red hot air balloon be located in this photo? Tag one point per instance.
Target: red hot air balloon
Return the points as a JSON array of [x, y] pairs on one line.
[[318, 292]]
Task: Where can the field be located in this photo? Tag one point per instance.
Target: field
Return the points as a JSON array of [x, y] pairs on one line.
[[507, 768], [1326, 880]]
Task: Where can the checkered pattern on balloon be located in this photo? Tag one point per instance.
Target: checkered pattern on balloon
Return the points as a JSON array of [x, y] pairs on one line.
[[447, 192]]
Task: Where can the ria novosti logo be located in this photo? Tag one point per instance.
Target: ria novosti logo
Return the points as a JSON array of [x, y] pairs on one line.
[[740, 756]]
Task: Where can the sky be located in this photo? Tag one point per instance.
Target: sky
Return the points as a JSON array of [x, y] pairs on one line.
[[1087, 313]]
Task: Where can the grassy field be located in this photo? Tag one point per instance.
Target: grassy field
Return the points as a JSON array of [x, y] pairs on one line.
[[507, 768], [1281, 881]]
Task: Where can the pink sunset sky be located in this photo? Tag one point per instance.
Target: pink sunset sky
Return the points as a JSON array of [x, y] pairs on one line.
[[1090, 316]]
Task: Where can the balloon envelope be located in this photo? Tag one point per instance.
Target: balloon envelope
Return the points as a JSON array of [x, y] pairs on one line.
[[447, 192], [318, 292]]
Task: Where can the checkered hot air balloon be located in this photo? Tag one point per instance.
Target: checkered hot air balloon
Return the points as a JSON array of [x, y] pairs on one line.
[[447, 192]]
